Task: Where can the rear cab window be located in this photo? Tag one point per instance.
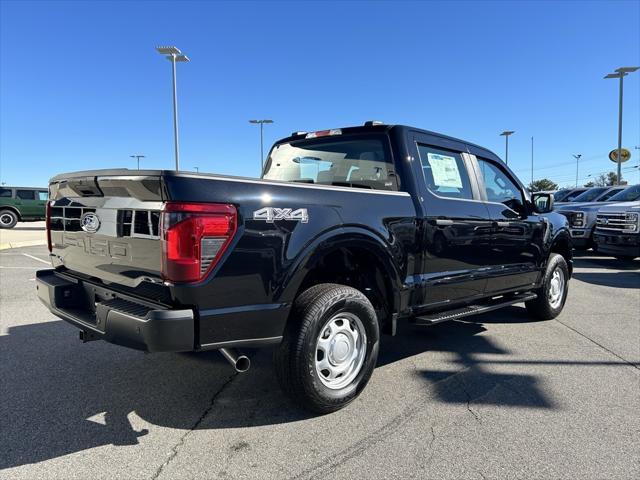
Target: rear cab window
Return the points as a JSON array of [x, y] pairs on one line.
[[43, 195], [5, 192], [358, 161]]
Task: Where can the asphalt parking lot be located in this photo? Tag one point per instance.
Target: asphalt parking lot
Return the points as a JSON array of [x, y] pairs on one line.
[[497, 396]]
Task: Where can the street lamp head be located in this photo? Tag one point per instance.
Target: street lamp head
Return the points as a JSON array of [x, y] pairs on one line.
[[261, 121], [615, 75], [179, 58], [506, 133], [627, 69], [168, 50]]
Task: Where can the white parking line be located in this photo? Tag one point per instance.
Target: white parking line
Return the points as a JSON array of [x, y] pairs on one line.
[[20, 268], [36, 258]]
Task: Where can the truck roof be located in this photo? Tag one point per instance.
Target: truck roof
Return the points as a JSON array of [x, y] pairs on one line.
[[371, 127]]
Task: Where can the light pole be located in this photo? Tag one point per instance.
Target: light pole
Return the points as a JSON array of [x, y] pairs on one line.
[[137, 157], [174, 55], [620, 73], [197, 169], [261, 123], [531, 160], [506, 135], [577, 157]]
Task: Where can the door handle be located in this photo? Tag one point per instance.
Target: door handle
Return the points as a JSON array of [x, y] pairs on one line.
[[502, 224], [444, 222]]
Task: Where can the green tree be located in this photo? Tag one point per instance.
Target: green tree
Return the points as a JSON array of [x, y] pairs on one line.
[[590, 184], [605, 180], [542, 184]]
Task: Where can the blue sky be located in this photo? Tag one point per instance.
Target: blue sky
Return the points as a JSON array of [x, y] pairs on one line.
[[82, 87]]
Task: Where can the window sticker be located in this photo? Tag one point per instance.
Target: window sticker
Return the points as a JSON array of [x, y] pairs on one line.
[[444, 170]]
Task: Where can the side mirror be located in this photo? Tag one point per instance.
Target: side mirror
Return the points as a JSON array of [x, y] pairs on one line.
[[542, 202]]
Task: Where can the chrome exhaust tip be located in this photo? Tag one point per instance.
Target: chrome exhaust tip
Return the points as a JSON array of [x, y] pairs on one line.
[[237, 360]]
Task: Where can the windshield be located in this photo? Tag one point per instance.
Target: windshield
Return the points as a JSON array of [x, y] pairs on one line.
[[609, 194], [354, 161], [590, 195], [560, 194], [627, 195]]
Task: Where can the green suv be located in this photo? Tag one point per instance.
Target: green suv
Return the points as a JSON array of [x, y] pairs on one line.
[[22, 204]]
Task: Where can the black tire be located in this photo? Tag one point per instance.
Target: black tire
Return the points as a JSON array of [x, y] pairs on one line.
[[542, 307], [8, 219], [295, 358]]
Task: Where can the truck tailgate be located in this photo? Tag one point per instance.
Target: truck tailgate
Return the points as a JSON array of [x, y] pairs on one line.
[[107, 226]]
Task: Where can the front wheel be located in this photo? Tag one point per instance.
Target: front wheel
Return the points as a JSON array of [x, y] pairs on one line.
[[8, 219], [329, 349], [553, 293]]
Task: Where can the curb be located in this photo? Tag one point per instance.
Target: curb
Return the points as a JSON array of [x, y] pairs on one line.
[[29, 243]]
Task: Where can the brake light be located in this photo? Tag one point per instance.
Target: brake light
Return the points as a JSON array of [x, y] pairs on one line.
[[194, 237], [48, 225], [324, 133]]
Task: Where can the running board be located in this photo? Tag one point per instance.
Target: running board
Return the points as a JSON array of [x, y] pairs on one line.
[[492, 304]]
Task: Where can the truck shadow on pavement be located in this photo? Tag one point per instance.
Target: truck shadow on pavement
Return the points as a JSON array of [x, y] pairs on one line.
[[610, 279], [60, 397]]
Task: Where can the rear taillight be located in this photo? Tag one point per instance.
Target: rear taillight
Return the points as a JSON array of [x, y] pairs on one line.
[[48, 224], [194, 237]]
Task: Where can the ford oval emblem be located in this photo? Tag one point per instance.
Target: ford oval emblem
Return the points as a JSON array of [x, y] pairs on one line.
[[90, 222]]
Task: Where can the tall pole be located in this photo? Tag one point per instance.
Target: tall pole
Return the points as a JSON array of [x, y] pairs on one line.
[[261, 149], [175, 111], [620, 134], [506, 153], [531, 160], [577, 157]]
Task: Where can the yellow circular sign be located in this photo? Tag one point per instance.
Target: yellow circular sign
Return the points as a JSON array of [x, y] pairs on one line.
[[624, 153]]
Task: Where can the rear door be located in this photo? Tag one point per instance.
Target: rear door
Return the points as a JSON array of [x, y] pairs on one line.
[[518, 235], [456, 229], [27, 203]]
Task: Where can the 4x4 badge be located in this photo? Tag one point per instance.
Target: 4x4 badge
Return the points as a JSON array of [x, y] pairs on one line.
[[271, 214], [90, 222]]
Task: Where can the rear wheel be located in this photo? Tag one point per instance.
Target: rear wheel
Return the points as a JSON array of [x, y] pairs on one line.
[[8, 219], [329, 349], [553, 293]]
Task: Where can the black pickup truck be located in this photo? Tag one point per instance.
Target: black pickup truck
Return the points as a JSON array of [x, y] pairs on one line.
[[348, 231]]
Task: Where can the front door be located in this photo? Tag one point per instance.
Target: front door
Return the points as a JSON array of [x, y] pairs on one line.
[[518, 234], [456, 229]]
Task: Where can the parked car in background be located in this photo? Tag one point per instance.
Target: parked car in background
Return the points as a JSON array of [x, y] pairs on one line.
[[598, 194], [582, 216], [618, 230], [22, 204], [565, 196]]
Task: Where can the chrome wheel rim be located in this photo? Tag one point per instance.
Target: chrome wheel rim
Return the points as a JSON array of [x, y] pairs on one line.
[[556, 288], [340, 350], [6, 219]]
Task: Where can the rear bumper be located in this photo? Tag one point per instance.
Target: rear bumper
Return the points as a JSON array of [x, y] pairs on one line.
[[103, 314], [624, 245]]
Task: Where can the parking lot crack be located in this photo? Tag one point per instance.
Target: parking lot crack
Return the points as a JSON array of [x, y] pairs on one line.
[[632, 364], [196, 424], [471, 411]]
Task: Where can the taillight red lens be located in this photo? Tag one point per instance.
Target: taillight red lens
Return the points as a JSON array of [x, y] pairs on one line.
[[48, 225], [194, 237]]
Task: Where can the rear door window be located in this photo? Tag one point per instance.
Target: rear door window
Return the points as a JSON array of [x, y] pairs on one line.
[[25, 194], [445, 172], [43, 196]]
